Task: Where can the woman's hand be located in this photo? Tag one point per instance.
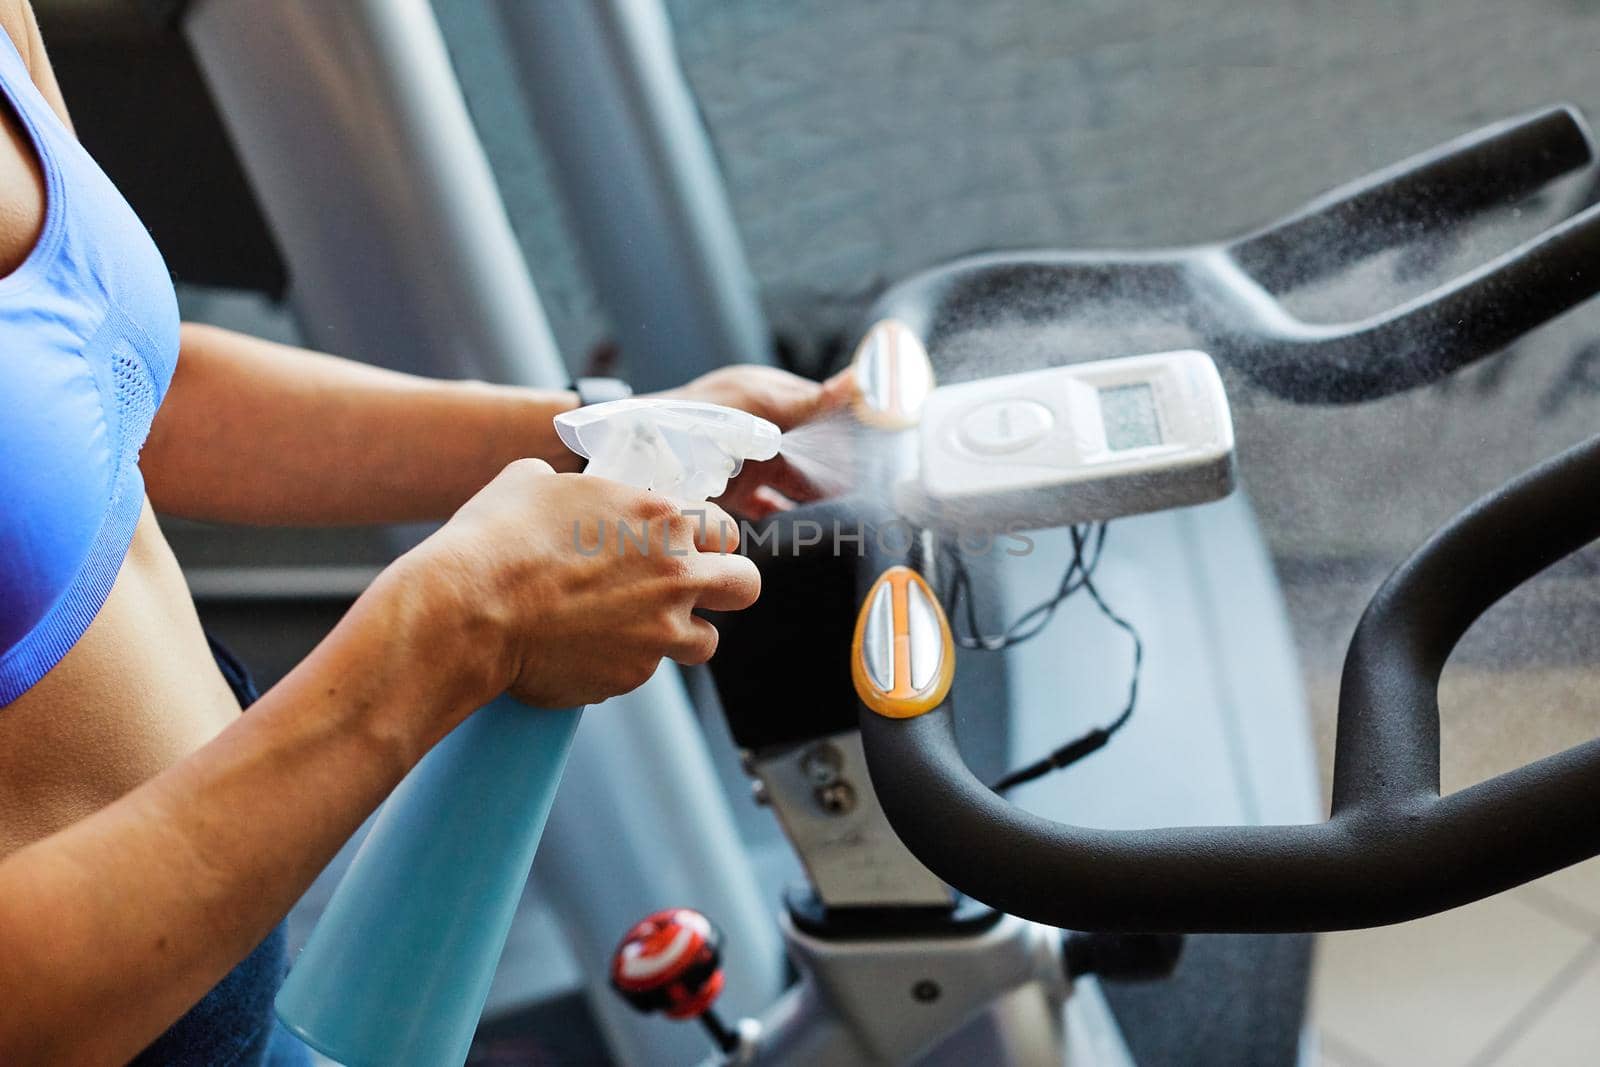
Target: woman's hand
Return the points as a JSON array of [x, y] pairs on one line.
[[566, 589], [784, 399]]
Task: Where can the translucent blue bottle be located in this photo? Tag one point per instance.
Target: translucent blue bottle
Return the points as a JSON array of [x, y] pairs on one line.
[[398, 968]]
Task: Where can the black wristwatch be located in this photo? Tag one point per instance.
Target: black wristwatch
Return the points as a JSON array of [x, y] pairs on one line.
[[599, 390]]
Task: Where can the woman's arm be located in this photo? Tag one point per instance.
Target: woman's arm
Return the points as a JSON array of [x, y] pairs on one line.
[[256, 432], [113, 927], [263, 433]]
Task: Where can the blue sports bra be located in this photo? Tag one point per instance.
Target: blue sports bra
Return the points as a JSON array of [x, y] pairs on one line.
[[88, 344]]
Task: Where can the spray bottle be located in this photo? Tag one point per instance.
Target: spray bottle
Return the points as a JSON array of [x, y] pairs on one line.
[[397, 971]]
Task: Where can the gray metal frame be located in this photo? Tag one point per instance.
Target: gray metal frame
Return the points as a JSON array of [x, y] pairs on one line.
[[999, 998], [351, 127], [825, 803]]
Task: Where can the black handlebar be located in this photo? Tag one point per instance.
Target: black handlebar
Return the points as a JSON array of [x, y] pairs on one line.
[[1035, 309], [1393, 848]]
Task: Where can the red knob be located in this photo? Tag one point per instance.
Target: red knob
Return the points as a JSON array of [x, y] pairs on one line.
[[670, 962]]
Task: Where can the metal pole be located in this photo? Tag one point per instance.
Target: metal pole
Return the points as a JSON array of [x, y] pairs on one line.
[[351, 125], [634, 164]]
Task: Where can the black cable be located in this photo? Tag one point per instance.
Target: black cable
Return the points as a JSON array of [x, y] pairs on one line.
[[1095, 739], [1088, 545]]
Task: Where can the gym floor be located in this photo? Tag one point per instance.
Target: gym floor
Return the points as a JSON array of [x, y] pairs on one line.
[[1509, 980]]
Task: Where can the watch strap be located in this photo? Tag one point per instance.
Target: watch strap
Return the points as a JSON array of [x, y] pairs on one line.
[[600, 390]]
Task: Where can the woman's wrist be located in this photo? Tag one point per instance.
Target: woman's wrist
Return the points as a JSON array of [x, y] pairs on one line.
[[440, 653], [524, 421]]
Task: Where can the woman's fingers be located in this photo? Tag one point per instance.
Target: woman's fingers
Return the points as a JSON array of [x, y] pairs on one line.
[[790, 400], [726, 582], [714, 529], [765, 502], [839, 390], [695, 644], [809, 400], [789, 480]]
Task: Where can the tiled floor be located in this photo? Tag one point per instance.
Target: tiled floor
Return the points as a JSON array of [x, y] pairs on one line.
[[1511, 980]]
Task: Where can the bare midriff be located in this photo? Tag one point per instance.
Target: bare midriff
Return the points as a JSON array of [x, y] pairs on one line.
[[138, 692]]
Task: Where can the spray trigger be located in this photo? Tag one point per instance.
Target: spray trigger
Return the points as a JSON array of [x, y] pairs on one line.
[[680, 448]]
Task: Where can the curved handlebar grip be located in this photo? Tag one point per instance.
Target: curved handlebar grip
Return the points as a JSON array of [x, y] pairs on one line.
[[1424, 339], [1019, 309], [1393, 850], [1431, 191]]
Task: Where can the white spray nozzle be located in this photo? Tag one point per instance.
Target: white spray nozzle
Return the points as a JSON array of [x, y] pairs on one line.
[[679, 448]]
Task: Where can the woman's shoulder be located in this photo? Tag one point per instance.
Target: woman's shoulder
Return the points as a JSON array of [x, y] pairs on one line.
[[19, 23], [16, 19]]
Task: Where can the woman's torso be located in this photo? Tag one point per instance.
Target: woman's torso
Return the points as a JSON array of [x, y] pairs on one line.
[[138, 690]]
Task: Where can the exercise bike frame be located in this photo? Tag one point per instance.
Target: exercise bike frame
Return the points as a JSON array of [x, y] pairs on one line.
[[1394, 848]]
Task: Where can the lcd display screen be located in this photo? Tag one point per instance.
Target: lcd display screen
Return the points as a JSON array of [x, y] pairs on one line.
[[1129, 413]]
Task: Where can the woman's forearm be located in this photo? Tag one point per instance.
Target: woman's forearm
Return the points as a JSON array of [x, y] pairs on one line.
[[115, 926], [262, 433]]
